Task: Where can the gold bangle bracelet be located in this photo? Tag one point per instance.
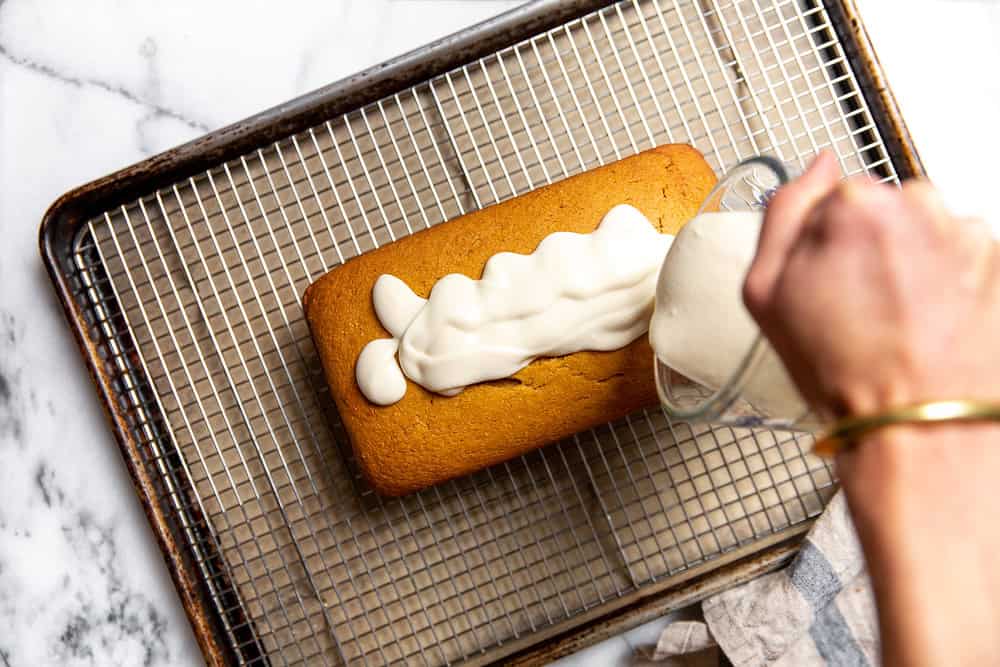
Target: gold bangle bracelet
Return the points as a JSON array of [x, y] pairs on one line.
[[847, 431]]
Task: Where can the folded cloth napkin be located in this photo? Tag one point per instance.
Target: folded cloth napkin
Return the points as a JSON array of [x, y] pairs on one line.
[[817, 611]]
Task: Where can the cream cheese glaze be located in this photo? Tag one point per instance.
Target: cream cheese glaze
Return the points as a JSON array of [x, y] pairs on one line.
[[700, 327], [574, 292]]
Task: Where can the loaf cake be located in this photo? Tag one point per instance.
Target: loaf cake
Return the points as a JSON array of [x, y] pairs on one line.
[[426, 438]]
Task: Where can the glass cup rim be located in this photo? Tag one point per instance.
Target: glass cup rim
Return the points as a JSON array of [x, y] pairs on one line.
[[719, 401]]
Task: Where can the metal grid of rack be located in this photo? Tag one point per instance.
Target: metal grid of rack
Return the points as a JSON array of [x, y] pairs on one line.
[[196, 290]]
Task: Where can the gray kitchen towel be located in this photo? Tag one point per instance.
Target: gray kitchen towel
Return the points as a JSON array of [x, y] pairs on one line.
[[817, 611]]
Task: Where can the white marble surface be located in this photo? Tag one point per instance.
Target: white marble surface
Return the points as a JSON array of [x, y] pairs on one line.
[[89, 86]]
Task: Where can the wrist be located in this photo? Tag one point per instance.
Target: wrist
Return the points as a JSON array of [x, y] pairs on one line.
[[915, 489], [915, 458], [924, 503], [847, 431], [899, 478], [900, 444]]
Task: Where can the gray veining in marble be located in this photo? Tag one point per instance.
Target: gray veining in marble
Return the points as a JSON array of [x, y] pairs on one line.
[[87, 88]]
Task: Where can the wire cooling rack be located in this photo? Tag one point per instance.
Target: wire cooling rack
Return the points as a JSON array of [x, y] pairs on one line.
[[192, 293]]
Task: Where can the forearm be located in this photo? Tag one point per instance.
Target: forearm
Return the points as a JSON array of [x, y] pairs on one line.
[[914, 492]]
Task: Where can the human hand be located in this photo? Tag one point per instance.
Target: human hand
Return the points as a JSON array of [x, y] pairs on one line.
[[876, 297]]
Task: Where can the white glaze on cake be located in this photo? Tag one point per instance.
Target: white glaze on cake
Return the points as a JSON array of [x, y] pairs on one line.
[[574, 292]]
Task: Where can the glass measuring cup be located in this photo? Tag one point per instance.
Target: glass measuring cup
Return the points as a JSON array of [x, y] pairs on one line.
[[756, 390]]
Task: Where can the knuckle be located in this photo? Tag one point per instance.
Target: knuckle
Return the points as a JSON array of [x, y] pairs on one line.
[[857, 211], [915, 185], [851, 190], [840, 223], [920, 190], [756, 292], [923, 202]]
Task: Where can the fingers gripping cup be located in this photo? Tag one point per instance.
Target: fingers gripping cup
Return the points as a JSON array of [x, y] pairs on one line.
[[712, 364]]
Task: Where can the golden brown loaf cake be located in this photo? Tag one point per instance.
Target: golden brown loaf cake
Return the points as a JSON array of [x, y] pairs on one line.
[[426, 438]]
